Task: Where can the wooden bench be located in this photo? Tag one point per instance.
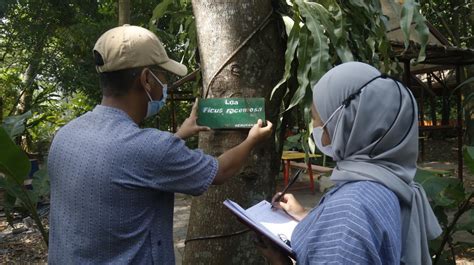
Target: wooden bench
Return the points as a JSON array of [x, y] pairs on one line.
[[316, 169], [310, 168]]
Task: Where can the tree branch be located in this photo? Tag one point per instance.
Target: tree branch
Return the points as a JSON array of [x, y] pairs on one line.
[[445, 25], [465, 206]]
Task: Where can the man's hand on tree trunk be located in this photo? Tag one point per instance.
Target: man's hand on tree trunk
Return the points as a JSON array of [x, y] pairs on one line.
[[231, 161]]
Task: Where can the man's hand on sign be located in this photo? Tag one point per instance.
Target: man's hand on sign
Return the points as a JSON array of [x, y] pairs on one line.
[[189, 126], [258, 133]]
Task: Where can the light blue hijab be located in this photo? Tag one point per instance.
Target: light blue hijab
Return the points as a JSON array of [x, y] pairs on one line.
[[375, 138]]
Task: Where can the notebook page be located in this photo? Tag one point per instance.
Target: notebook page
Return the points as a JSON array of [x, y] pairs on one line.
[[276, 221]]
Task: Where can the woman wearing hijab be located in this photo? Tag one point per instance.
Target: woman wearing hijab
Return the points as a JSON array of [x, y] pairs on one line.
[[375, 214]]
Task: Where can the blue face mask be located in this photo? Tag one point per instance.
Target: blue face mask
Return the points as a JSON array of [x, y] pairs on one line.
[[154, 106]]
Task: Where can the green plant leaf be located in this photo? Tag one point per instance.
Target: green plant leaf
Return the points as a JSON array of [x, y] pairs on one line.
[[294, 138], [468, 102], [442, 191], [441, 215], [465, 244], [40, 182], [411, 13], [292, 44], [320, 60], [336, 35], [304, 55], [468, 223], [15, 125], [469, 158], [159, 11], [13, 161], [467, 81], [8, 204], [408, 9], [423, 32]]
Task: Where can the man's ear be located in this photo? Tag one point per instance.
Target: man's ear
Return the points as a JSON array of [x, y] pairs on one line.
[[144, 79]]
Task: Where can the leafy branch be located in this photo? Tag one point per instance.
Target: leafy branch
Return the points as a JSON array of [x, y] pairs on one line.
[[465, 206]]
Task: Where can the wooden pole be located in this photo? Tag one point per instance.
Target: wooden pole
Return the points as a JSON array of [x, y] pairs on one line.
[[459, 124], [123, 12]]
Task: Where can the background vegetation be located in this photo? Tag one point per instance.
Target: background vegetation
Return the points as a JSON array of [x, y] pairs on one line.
[[47, 76]]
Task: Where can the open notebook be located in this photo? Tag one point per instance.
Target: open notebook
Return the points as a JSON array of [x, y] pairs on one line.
[[276, 225]]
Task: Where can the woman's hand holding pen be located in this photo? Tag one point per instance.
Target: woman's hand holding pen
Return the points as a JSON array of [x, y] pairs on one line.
[[289, 204]]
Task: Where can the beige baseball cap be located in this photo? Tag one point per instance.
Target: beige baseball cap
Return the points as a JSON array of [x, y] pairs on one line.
[[129, 46]]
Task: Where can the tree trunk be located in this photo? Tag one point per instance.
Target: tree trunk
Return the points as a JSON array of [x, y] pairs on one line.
[[446, 110], [221, 27], [24, 104], [1, 110], [26, 99], [124, 12]]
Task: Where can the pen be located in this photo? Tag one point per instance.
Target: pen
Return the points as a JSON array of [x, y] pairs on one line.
[[284, 239], [293, 180]]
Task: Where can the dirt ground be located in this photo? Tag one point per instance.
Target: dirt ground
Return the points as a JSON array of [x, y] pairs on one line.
[[23, 243]]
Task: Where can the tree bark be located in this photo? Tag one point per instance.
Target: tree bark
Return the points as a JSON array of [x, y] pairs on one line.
[[221, 27], [1, 109], [124, 12]]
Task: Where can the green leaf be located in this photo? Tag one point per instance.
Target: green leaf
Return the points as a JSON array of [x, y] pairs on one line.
[[441, 215], [435, 244], [411, 13], [406, 19], [442, 191], [304, 55], [160, 11], [8, 205], [468, 222], [336, 35], [461, 85], [454, 192], [13, 161], [320, 61], [469, 158], [423, 33], [294, 138], [15, 125], [292, 44], [465, 245], [40, 182], [468, 100]]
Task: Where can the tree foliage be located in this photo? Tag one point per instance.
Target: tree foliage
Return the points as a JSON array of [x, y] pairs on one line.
[[46, 63], [47, 71], [326, 33], [14, 168]]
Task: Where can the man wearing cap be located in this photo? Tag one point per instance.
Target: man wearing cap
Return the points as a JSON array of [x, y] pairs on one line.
[[113, 183]]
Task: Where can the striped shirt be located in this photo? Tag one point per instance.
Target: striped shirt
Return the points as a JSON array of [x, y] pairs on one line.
[[355, 223], [112, 190]]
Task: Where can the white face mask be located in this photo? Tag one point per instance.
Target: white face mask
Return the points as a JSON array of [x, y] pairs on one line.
[[318, 136]]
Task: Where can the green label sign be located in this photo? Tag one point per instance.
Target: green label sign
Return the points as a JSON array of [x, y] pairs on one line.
[[230, 113]]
